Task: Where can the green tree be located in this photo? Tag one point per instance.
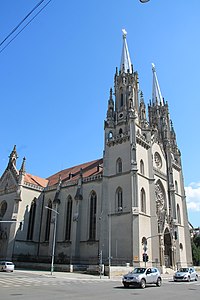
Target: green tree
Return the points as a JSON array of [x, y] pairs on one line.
[[196, 250], [196, 240]]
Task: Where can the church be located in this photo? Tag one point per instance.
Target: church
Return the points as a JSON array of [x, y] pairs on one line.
[[127, 207]]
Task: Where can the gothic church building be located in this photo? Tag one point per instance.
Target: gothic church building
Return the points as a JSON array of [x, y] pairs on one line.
[[126, 204]]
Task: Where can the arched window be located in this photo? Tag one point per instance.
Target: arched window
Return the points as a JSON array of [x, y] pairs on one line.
[[122, 100], [3, 208], [93, 211], [110, 135], [119, 165], [120, 131], [178, 214], [143, 200], [160, 196], [68, 219], [31, 220], [141, 167], [48, 221], [119, 199], [176, 186]]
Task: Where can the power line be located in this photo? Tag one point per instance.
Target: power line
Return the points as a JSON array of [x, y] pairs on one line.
[[22, 22]]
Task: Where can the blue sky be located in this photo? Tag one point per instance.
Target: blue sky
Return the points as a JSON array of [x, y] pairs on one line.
[[56, 75]]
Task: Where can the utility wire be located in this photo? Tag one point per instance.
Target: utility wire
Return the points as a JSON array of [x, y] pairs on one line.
[[25, 25], [22, 21]]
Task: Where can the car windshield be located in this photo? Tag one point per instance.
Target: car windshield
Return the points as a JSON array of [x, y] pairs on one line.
[[183, 270], [139, 270]]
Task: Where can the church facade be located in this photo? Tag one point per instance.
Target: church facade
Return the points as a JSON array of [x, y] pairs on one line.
[[128, 206]]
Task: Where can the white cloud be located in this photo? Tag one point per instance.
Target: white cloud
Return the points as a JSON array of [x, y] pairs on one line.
[[193, 196]]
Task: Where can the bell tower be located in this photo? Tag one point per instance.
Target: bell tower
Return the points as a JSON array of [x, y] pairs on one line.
[[126, 88], [120, 191]]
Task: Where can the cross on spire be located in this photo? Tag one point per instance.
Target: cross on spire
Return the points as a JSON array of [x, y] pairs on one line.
[[125, 65]]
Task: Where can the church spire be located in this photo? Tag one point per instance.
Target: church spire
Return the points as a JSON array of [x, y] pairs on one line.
[[12, 158], [23, 169], [125, 65], [156, 93]]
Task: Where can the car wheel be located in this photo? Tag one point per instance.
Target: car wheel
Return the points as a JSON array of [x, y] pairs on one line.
[[143, 283], [159, 282], [126, 285]]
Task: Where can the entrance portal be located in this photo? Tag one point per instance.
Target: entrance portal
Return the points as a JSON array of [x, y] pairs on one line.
[[168, 248]]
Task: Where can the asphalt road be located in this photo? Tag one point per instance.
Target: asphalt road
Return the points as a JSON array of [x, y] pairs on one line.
[[21, 285]]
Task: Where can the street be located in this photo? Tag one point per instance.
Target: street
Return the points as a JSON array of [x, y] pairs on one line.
[[41, 285]]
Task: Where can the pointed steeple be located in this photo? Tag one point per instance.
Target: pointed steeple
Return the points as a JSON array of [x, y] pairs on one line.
[[142, 112], [156, 93], [12, 158], [110, 111], [23, 169], [21, 176], [125, 65]]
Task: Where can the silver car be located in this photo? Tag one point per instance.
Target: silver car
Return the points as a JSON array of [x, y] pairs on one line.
[[185, 274], [141, 277]]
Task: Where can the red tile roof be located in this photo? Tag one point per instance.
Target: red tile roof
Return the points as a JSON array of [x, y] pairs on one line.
[[88, 169], [35, 180]]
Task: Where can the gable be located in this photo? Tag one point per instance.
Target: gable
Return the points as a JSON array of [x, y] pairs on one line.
[[7, 181]]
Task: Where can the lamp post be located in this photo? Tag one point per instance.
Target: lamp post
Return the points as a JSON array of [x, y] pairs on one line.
[[54, 237], [109, 245], [144, 1]]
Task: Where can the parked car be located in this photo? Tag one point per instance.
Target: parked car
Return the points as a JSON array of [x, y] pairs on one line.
[[141, 277], [7, 266], [185, 274]]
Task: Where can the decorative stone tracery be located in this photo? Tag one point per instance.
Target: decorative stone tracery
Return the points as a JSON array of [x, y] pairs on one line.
[[160, 205]]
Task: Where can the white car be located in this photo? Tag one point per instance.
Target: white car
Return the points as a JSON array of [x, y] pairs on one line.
[[7, 266], [185, 274], [141, 277]]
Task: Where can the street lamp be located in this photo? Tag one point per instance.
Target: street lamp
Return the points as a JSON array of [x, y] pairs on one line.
[[109, 245], [54, 237], [144, 1]]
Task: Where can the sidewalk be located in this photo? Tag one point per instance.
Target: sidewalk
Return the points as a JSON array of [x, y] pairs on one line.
[[73, 275], [79, 276]]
